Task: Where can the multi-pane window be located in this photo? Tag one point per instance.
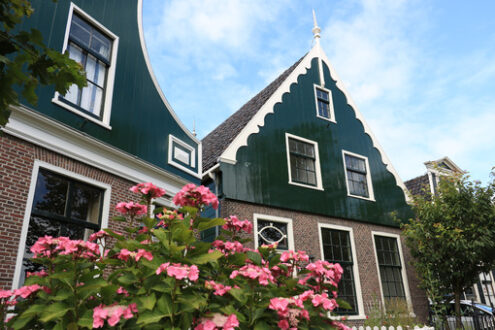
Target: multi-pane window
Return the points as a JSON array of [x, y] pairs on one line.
[[302, 162], [390, 267], [337, 249], [323, 103], [273, 232], [357, 176], [61, 207], [92, 49]]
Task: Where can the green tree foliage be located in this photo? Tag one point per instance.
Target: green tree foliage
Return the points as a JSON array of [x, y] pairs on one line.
[[26, 62], [452, 238]]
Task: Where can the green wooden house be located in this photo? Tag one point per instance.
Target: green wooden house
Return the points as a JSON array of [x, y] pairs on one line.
[[66, 161], [301, 163]]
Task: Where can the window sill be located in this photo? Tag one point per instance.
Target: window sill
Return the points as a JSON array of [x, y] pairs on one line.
[[306, 186], [327, 119], [80, 113], [371, 199]]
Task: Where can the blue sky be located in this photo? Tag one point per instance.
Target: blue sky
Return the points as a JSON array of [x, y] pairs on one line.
[[421, 72]]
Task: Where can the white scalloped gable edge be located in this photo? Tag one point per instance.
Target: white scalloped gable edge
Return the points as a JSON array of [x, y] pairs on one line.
[[253, 126]]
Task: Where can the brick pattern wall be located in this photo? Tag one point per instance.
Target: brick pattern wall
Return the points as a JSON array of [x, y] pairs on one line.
[[16, 164], [305, 229]]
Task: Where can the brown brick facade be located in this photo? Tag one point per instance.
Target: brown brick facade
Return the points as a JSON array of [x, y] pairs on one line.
[[17, 158], [305, 229]]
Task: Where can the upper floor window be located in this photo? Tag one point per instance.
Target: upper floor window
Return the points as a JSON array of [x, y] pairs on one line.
[[303, 162], [324, 103], [182, 155], [91, 49], [95, 48], [358, 177]]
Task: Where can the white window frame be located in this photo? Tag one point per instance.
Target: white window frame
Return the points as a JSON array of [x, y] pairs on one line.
[[108, 95], [319, 185], [330, 104], [355, 268], [266, 217], [405, 282], [107, 191], [192, 155], [368, 176]]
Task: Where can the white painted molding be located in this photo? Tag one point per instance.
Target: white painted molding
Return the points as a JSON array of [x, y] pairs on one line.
[[41, 130], [192, 156], [355, 266], [153, 77], [27, 213], [259, 119], [405, 281]]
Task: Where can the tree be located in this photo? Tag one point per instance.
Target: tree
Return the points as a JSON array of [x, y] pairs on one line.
[[26, 62], [452, 237]]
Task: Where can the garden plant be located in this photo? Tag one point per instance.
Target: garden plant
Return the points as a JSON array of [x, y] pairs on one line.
[[157, 275]]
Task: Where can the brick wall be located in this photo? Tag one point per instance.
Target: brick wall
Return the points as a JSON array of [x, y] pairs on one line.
[[305, 229], [16, 163]]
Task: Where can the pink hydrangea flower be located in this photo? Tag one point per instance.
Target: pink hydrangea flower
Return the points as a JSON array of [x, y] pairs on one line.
[[98, 235], [262, 274], [179, 271], [192, 195], [148, 189], [228, 248], [219, 288], [112, 314], [283, 324], [235, 225], [5, 294], [41, 273], [125, 254], [123, 291], [26, 291], [294, 256], [131, 208], [218, 321]]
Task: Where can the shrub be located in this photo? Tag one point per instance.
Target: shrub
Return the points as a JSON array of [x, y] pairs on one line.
[[157, 275]]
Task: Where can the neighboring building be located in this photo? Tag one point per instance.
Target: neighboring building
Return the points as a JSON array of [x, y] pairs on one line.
[[484, 290], [300, 162], [67, 161]]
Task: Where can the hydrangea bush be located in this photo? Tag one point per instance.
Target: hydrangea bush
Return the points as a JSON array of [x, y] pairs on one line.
[[158, 275]]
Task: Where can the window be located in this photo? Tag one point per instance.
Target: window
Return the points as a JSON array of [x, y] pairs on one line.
[[337, 248], [390, 267], [95, 48], [182, 155], [357, 174], [324, 103], [273, 230], [61, 207], [303, 162]]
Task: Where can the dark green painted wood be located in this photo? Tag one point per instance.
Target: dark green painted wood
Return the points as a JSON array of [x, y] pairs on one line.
[[261, 175], [140, 120]]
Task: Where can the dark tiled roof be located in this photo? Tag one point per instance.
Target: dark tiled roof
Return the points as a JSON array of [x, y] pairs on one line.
[[215, 143], [417, 185]]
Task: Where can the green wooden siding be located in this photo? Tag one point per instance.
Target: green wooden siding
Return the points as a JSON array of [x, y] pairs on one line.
[[261, 175], [139, 119]]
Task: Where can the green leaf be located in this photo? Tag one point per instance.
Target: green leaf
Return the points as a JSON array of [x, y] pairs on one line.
[[261, 325], [254, 257], [207, 257], [127, 278], [148, 317], [165, 305], [343, 304], [211, 223], [86, 320], [54, 311], [148, 302], [239, 295], [61, 295]]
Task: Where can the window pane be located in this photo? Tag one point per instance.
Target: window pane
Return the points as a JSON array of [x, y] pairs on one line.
[[85, 203], [72, 94], [100, 74], [50, 194], [91, 99], [100, 44], [80, 30], [76, 53], [91, 68]]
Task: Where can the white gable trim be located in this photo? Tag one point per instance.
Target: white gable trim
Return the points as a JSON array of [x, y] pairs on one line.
[[153, 77], [258, 120]]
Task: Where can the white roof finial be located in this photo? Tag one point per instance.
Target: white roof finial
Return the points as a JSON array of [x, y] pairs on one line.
[[194, 127], [316, 29]]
